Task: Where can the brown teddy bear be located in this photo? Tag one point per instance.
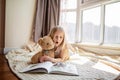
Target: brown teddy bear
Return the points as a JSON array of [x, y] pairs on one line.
[[47, 46]]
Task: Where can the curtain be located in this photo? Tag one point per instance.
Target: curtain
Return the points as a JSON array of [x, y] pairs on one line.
[[47, 16]]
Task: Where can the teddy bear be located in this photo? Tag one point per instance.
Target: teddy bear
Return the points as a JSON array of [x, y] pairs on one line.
[[47, 46]]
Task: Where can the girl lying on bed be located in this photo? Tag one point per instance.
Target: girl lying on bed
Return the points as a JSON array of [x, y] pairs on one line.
[[61, 49]]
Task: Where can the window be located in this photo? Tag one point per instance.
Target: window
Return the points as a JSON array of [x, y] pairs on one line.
[[68, 4], [112, 23], [97, 23], [91, 25], [68, 22], [68, 18]]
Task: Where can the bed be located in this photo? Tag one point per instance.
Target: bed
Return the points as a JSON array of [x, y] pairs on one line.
[[88, 69]]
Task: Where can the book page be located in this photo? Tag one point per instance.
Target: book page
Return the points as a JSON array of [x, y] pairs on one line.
[[64, 68], [39, 67]]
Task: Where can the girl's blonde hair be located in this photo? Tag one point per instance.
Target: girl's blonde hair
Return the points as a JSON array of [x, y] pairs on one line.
[[52, 33]]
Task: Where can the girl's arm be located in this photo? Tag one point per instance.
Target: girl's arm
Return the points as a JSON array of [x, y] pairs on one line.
[[64, 55]]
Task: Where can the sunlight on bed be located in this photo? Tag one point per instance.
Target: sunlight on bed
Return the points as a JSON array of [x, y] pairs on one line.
[[106, 68], [110, 59], [76, 58]]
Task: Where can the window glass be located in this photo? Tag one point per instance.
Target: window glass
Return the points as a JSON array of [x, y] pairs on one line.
[[68, 22], [91, 25], [68, 4], [112, 23]]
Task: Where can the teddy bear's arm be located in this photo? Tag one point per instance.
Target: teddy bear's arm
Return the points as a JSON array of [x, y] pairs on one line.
[[50, 53], [35, 58]]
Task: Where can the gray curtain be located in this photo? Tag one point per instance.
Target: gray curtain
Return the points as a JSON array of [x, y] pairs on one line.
[[47, 16]]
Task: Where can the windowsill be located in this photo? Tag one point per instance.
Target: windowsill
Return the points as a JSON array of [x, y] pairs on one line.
[[95, 45]]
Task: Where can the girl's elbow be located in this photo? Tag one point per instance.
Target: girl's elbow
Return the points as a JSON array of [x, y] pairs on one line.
[[65, 59]]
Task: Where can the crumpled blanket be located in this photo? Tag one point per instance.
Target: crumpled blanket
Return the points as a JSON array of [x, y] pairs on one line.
[[87, 69]]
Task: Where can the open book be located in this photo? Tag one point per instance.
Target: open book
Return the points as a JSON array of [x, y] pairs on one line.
[[49, 67]]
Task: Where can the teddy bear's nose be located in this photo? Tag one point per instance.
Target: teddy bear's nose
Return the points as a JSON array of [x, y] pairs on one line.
[[47, 43]]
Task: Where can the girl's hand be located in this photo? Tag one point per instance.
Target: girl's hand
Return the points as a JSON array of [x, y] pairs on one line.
[[46, 58]]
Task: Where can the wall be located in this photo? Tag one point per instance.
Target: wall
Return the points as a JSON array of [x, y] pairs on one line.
[[18, 23]]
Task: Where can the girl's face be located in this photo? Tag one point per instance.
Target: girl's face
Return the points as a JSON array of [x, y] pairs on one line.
[[58, 38]]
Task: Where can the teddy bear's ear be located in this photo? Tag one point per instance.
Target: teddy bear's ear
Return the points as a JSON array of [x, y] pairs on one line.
[[40, 41]]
